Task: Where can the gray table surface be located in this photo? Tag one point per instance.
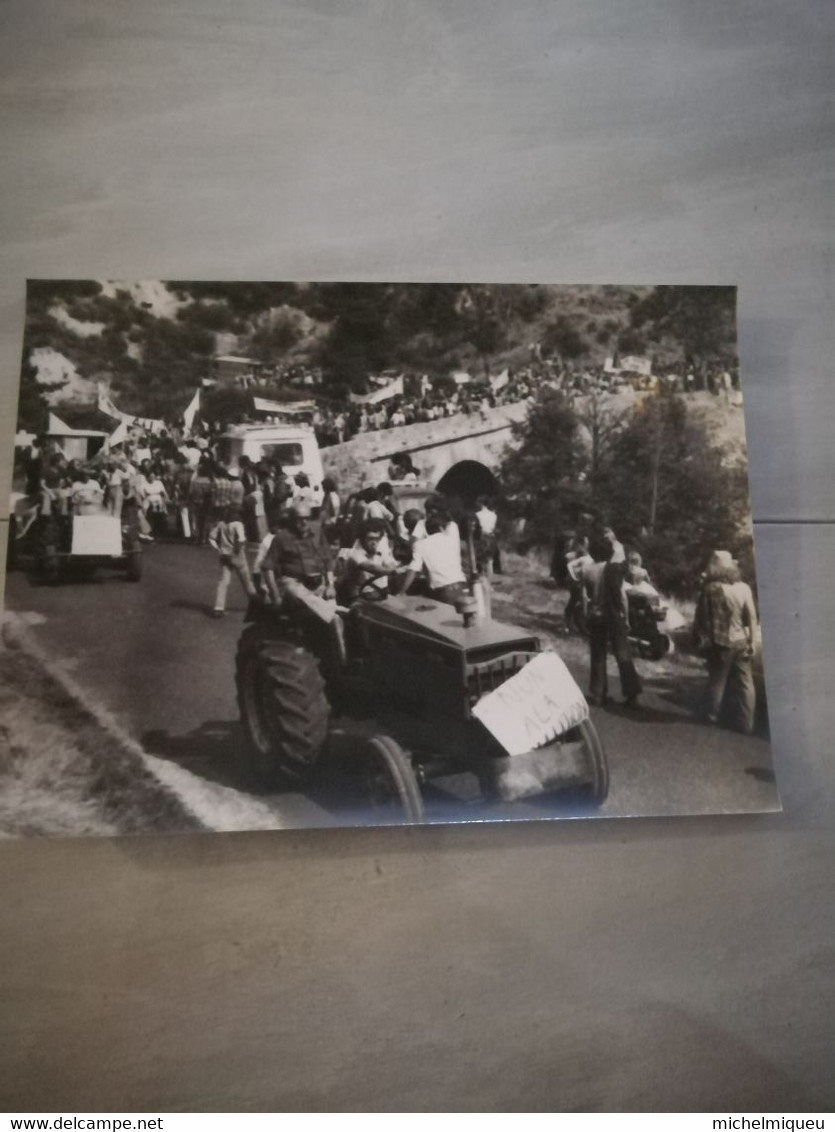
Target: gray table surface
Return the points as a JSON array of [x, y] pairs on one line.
[[665, 965]]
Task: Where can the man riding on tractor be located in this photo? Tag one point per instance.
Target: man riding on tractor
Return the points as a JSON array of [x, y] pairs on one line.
[[426, 668]]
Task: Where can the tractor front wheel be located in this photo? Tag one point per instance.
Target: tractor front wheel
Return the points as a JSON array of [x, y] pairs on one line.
[[50, 565], [389, 780], [598, 763], [133, 566], [283, 706]]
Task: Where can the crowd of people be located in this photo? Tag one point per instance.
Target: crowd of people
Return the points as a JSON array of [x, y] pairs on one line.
[[174, 485], [164, 484], [364, 544], [335, 424], [603, 579]]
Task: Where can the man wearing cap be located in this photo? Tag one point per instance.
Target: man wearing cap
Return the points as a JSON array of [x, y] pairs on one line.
[[298, 565]]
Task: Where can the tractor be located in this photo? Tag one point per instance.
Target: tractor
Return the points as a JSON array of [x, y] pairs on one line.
[[423, 673], [61, 545]]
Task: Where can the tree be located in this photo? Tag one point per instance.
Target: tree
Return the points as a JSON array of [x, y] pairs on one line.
[[668, 492], [563, 338], [360, 341], [32, 404], [699, 322], [484, 317], [545, 476], [602, 424]]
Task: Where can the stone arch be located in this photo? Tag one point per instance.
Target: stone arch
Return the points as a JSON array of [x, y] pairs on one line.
[[466, 480]]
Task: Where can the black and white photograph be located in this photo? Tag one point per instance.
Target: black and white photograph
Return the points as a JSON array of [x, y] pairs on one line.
[[289, 555]]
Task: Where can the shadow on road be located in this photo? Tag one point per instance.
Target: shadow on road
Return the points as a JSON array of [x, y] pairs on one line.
[[643, 713], [211, 751], [193, 606]]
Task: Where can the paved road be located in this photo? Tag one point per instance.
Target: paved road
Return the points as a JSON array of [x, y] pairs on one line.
[[152, 655]]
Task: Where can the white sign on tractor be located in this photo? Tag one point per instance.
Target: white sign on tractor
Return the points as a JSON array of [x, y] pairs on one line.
[[540, 702]]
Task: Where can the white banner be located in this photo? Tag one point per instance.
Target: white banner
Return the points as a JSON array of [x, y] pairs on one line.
[[275, 408], [385, 393], [106, 406], [534, 706]]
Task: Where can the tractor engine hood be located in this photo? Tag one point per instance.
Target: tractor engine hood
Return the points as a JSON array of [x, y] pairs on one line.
[[432, 620]]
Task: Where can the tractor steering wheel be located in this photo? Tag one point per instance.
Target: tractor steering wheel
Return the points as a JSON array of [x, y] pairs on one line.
[[368, 591]]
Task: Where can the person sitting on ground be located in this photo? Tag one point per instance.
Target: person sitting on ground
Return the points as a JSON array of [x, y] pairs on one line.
[[367, 565]]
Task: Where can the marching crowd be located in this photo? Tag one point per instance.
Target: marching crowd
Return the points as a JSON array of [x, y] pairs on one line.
[[367, 548], [336, 424], [175, 485], [162, 486]]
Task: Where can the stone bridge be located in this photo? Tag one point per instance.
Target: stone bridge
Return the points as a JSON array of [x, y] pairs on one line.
[[434, 447]]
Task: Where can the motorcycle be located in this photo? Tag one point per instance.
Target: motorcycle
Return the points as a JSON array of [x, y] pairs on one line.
[[650, 622]]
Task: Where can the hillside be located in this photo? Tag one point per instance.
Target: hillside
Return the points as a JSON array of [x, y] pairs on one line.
[[153, 343]]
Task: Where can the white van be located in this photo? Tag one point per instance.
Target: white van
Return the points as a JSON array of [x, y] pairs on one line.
[[294, 447]]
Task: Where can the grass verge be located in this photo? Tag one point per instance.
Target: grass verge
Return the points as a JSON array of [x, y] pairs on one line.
[[63, 772]]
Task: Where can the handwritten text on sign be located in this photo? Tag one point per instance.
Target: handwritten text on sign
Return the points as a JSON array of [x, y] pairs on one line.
[[534, 706]]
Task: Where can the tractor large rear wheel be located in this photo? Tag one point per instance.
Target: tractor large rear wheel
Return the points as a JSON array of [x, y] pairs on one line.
[[284, 709]]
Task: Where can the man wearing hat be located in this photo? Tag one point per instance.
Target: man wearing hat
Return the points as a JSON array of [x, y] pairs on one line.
[[724, 628]]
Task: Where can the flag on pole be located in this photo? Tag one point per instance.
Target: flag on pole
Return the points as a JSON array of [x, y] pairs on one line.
[[192, 410], [106, 406], [118, 436]]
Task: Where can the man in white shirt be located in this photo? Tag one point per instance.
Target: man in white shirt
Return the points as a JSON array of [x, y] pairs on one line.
[[438, 557]]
